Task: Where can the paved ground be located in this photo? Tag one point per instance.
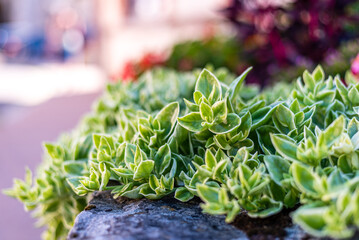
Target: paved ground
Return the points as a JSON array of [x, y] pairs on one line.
[[22, 130]]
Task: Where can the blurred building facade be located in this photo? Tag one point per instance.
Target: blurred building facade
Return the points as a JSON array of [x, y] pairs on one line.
[[95, 31], [130, 28], [34, 31]]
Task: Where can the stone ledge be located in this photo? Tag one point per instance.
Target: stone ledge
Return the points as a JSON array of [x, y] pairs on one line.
[[167, 218]]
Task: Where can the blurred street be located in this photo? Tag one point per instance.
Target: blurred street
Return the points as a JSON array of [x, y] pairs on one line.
[[21, 138]]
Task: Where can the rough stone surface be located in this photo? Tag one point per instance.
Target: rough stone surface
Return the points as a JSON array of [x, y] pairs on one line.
[[106, 218]]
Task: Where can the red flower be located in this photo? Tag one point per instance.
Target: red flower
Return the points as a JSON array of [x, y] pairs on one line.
[[150, 59], [129, 72]]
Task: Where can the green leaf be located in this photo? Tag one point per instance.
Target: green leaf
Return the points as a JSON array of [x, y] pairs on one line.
[[220, 111], [234, 211], [96, 140], [130, 151], [276, 167], [285, 116], [318, 74], [312, 220], [235, 86], [173, 171], [232, 122], [106, 144], [353, 127], [192, 122], [304, 179], [245, 127], [162, 159], [206, 112], [337, 180], [221, 141], [123, 172], [284, 147], [202, 172], [134, 193], [244, 175], [103, 156], [344, 163], [74, 168], [197, 96], [191, 106], [145, 132], [333, 132], [353, 96], [105, 176], [262, 116], [343, 91], [308, 80], [56, 152], [147, 192], [207, 194], [294, 106], [144, 170], [264, 138], [308, 134], [153, 182], [220, 169], [183, 194], [168, 117], [75, 184], [209, 86], [210, 159], [272, 207]]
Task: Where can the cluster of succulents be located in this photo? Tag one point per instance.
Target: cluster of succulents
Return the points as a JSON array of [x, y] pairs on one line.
[[197, 135]]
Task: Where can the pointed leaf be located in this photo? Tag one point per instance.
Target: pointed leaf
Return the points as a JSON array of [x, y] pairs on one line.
[[209, 86]]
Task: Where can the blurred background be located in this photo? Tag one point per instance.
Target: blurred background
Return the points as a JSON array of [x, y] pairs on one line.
[[56, 56]]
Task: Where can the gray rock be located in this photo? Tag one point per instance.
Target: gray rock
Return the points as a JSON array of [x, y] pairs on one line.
[[106, 218]]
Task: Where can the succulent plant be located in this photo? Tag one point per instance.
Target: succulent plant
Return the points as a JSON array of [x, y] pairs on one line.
[[235, 148]]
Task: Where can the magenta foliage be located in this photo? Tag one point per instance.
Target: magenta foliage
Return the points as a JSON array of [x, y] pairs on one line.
[[277, 34]]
